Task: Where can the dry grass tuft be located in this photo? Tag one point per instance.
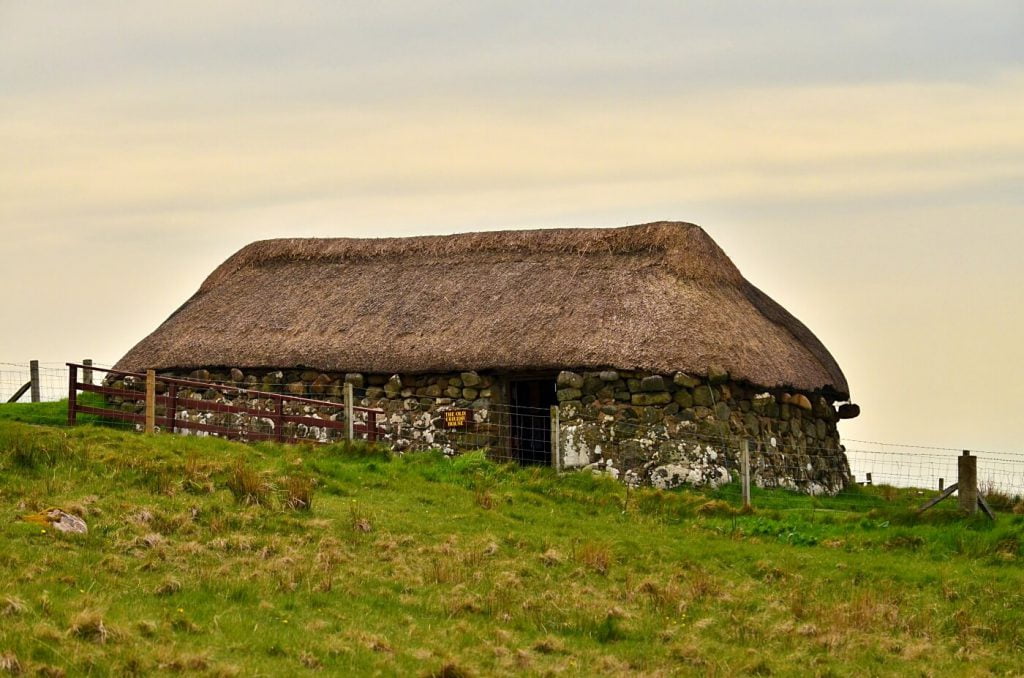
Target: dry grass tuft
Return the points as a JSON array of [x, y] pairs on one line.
[[248, 486], [12, 606], [152, 540], [310, 661], [716, 507], [448, 670], [167, 587], [297, 492], [551, 557], [597, 557], [359, 521], [89, 625], [549, 645], [9, 663]]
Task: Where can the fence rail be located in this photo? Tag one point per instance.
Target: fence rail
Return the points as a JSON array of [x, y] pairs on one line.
[[168, 403], [269, 412]]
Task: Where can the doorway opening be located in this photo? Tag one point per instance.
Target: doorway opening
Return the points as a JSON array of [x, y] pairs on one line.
[[531, 401]]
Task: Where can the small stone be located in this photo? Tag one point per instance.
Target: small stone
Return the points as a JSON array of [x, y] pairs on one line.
[[622, 396], [633, 385], [592, 384], [309, 375], [684, 398], [432, 391], [703, 396], [487, 392], [200, 375], [297, 388], [760, 403], [237, 375], [470, 393], [802, 401], [566, 394], [652, 384], [453, 391], [717, 375], [648, 399], [685, 380], [608, 375], [610, 410], [752, 424], [374, 393], [569, 380], [356, 379], [722, 412], [456, 382], [393, 386], [470, 378]]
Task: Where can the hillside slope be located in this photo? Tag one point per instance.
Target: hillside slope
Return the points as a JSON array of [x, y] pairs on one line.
[[202, 555]]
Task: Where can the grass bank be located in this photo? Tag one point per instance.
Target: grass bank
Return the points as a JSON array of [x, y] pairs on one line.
[[226, 559]]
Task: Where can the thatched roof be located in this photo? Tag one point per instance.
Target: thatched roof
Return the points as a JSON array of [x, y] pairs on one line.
[[660, 297]]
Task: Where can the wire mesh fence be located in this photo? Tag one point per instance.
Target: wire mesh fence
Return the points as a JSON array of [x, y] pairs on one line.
[[509, 432]]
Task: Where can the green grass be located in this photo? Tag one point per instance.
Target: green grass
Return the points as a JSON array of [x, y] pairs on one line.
[[219, 558], [51, 413]]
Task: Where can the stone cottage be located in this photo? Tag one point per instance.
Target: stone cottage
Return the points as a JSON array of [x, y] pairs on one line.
[[646, 344]]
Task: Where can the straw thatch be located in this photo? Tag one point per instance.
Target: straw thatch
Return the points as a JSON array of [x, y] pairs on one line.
[[659, 297]]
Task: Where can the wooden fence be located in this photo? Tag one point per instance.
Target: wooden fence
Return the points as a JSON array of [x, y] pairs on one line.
[[281, 413]]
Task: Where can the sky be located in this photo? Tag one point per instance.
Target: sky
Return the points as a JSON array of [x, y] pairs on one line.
[[862, 163]]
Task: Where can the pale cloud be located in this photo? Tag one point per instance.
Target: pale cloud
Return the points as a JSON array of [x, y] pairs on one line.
[[862, 162]]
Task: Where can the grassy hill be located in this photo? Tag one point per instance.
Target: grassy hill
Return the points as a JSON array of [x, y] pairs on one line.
[[224, 559]]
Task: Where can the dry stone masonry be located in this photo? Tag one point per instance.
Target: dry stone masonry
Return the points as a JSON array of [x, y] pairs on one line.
[[663, 430], [669, 430]]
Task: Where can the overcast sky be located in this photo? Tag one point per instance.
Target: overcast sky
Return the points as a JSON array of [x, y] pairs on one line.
[[863, 163]]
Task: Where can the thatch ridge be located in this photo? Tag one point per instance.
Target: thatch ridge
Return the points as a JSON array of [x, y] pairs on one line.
[[659, 297]]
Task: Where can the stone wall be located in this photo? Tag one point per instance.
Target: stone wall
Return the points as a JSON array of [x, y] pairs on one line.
[[412, 405], [669, 430], [644, 429]]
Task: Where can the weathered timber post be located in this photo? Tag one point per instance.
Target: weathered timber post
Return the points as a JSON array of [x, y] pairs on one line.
[[745, 472], [371, 426], [150, 401], [72, 394], [33, 371], [942, 482], [172, 405], [279, 420], [868, 481], [967, 482], [87, 371], [349, 397], [556, 458]]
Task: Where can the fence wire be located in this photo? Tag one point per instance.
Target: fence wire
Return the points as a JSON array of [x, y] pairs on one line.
[[523, 435]]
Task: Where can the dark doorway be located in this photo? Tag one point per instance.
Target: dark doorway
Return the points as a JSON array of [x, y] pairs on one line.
[[531, 420]]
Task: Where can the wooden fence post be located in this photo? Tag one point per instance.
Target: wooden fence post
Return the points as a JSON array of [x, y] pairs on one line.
[[87, 371], [33, 371], [745, 472], [72, 394], [942, 483], [967, 482], [150, 401], [279, 420], [172, 406], [868, 481], [349, 424], [556, 426]]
